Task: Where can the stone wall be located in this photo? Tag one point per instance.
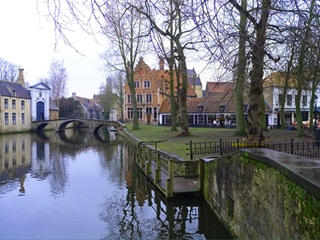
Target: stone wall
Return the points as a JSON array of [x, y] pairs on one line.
[[263, 194]]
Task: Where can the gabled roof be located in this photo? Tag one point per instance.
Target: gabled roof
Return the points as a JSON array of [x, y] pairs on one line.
[[159, 77], [89, 104], [40, 86], [278, 79], [193, 78], [52, 105], [220, 87], [12, 89]]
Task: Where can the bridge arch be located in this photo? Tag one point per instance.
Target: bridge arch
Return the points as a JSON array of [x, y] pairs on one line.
[[64, 124], [59, 125]]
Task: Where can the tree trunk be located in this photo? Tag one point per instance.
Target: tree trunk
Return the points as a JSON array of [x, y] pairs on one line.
[[241, 73], [256, 87], [183, 93], [285, 89], [173, 108], [300, 73], [130, 79]]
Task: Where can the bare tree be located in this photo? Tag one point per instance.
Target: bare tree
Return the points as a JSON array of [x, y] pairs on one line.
[[111, 95], [308, 12], [57, 80], [125, 29], [8, 71], [173, 20], [115, 20], [168, 55]]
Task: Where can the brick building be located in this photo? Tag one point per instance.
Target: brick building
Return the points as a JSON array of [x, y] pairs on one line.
[[152, 88]]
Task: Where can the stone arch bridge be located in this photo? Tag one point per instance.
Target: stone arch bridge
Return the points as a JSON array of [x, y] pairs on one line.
[[59, 125]]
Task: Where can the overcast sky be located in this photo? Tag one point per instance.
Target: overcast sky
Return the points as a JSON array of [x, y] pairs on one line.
[[28, 41]]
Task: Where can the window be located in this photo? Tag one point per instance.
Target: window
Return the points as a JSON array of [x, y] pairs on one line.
[[6, 118], [289, 100], [200, 108], [200, 119], [139, 113], [139, 98], [130, 113], [146, 84], [149, 98], [13, 104], [129, 99], [22, 104], [148, 110], [304, 100], [6, 101], [23, 118], [14, 118], [136, 84], [155, 113], [280, 99], [221, 109]]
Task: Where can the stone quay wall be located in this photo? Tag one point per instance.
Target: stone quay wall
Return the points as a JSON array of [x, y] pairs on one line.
[[264, 194]]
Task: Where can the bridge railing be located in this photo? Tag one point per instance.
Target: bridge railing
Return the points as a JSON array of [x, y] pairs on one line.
[[162, 166]]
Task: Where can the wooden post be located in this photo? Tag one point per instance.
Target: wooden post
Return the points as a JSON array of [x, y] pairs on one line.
[[149, 163], [157, 172], [200, 172], [170, 179]]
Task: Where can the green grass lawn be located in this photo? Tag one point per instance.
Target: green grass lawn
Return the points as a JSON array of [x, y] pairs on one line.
[[169, 142]]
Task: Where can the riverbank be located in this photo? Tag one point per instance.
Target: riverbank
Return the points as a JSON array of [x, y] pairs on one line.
[[169, 142]]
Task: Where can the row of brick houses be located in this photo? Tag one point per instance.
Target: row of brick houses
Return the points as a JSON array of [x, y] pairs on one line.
[[213, 106], [20, 105]]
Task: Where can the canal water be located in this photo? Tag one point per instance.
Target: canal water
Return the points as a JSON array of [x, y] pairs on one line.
[[75, 185]]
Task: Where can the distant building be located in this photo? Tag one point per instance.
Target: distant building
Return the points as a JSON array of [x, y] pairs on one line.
[[15, 104], [40, 104], [274, 91], [152, 88], [195, 82], [90, 107], [53, 110]]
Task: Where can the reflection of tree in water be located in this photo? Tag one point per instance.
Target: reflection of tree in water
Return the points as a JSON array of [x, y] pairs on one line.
[[59, 177], [142, 213]]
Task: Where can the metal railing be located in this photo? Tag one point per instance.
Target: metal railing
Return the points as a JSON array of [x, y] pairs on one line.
[[309, 149]]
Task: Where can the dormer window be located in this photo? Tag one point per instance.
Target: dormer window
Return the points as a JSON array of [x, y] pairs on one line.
[[200, 108], [222, 109]]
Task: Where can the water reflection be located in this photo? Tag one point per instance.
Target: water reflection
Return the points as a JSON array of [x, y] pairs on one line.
[[75, 185]]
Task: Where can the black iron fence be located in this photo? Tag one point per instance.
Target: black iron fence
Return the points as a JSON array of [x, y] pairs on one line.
[[309, 149]]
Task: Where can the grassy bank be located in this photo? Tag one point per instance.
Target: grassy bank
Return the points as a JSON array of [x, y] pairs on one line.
[[178, 145]]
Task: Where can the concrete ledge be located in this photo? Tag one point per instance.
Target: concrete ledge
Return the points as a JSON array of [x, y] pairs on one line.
[[303, 171]]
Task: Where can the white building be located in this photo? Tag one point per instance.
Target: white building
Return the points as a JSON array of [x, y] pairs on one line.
[[273, 92], [40, 101]]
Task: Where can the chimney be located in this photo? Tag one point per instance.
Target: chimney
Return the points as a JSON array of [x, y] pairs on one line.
[[74, 95], [21, 77], [161, 64]]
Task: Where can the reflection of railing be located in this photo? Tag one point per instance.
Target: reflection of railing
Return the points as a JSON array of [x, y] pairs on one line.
[[304, 148], [170, 175]]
